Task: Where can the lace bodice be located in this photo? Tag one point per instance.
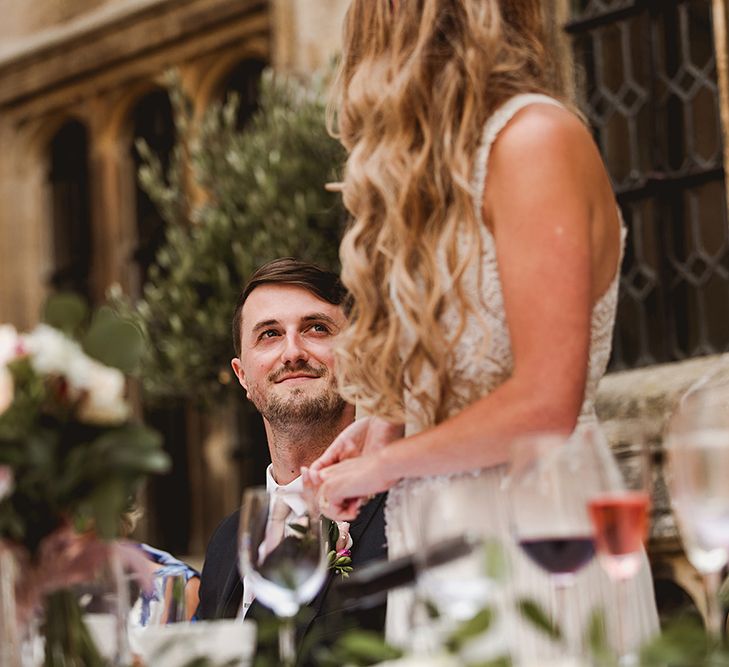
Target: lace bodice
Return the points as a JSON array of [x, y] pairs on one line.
[[484, 357]]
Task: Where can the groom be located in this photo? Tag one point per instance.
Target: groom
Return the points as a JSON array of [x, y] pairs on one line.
[[284, 328]]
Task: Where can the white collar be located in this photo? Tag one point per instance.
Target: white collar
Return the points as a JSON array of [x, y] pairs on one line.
[[292, 493]]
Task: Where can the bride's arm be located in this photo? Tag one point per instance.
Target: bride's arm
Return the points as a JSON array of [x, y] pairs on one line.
[[545, 181]]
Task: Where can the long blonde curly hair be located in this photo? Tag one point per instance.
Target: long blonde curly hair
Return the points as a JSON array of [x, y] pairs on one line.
[[417, 81]]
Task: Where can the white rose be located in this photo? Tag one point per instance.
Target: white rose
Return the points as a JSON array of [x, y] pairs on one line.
[[7, 389], [103, 398], [9, 343], [78, 373], [99, 388], [6, 482], [51, 352]]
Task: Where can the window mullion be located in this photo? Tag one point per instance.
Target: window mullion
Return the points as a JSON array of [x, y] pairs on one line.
[[721, 53]]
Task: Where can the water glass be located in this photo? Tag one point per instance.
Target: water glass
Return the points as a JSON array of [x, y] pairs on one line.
[[697, 443], [286, 575]]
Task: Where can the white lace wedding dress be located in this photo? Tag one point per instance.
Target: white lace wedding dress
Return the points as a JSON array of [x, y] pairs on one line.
[[485, 358]]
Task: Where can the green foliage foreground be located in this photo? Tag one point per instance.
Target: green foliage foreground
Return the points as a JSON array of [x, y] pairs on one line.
[[232, 200]]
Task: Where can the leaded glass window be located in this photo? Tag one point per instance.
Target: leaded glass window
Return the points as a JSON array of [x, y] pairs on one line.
[[154, 123], [70, 209], [649, 87]]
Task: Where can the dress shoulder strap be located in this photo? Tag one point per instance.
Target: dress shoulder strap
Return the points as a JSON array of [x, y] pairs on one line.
[[495, 123]]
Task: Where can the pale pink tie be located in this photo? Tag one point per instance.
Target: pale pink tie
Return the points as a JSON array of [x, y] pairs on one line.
[[276, 524]]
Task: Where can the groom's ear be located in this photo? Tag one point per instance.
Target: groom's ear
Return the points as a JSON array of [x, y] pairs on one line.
[[237, 367]]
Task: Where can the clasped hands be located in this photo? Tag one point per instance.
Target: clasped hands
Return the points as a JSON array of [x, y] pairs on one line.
[[353, 468]]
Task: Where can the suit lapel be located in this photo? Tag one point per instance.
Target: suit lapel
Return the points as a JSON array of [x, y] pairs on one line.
[[356, 530], [232, 594]]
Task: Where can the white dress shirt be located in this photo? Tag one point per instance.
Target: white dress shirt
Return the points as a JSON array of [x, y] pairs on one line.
[[292, 495]]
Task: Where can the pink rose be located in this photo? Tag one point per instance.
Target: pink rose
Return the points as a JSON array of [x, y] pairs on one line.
[[344, 543]]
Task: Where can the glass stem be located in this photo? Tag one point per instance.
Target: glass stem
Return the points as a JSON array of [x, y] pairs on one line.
[[562, 586], [627, 657], [123, 649], [714, 617], [287, 642]]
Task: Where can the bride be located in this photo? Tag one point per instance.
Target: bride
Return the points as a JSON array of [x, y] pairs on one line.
[[483, 262]]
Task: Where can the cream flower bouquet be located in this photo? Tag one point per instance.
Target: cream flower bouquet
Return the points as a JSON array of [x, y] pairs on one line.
[[71, 458]]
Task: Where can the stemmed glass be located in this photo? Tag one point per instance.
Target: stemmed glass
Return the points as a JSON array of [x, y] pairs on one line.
[[450, 559], [619, 512], [550, 480], [285, 576], [697, 443], [104, 605]]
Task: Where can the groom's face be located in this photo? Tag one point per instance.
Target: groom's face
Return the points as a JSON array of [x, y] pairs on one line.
[[286, 364]]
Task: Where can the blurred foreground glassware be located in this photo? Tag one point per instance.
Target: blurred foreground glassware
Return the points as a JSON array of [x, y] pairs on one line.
[[10, 644], [552, 476], [453, 583], [286, 575], [103, 602], [620, 513], [223, 642], [697, 443], [161, 605]]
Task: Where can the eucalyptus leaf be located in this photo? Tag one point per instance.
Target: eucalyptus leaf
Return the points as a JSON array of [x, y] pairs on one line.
[[367, 646], [533, 612], [107, 504], [597, 641], [431, 609], [471, 629], [65, 311], [115, 342], [503, 661]]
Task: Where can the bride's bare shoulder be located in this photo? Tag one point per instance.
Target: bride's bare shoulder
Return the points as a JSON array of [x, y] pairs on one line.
[[544, 129]]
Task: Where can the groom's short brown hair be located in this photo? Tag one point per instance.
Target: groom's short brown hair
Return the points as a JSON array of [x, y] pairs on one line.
[[289, 271]]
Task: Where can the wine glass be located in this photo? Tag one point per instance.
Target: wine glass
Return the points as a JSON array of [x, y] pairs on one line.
[[549, 514], [453, 581], [284, 573], [619, 512], [697, 444], [103, 602], [155, 604]]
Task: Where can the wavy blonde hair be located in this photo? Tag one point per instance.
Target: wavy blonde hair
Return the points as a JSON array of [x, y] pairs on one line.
[[417, 81]]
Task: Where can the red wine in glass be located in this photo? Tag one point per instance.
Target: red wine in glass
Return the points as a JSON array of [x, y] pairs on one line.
[[560, 555], [621, 526]]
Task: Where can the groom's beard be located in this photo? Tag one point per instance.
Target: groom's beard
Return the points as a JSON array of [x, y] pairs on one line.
[[298, 408]]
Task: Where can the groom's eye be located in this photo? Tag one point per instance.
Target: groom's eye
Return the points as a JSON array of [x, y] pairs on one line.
[[319, 328], [268, 333]]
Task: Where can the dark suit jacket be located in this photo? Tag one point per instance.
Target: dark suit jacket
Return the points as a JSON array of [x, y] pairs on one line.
[[221, 588]]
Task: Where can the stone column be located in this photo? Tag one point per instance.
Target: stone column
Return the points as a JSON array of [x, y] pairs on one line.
[[307, 33], [25, 234]]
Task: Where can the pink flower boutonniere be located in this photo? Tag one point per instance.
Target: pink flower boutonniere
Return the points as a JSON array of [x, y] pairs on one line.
[[340, 544]]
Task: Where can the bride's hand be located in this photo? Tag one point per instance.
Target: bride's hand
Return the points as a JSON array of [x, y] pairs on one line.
[[348, 485], [362, 437]]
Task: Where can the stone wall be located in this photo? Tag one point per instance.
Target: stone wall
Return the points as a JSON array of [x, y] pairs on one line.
[[90, 60]]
